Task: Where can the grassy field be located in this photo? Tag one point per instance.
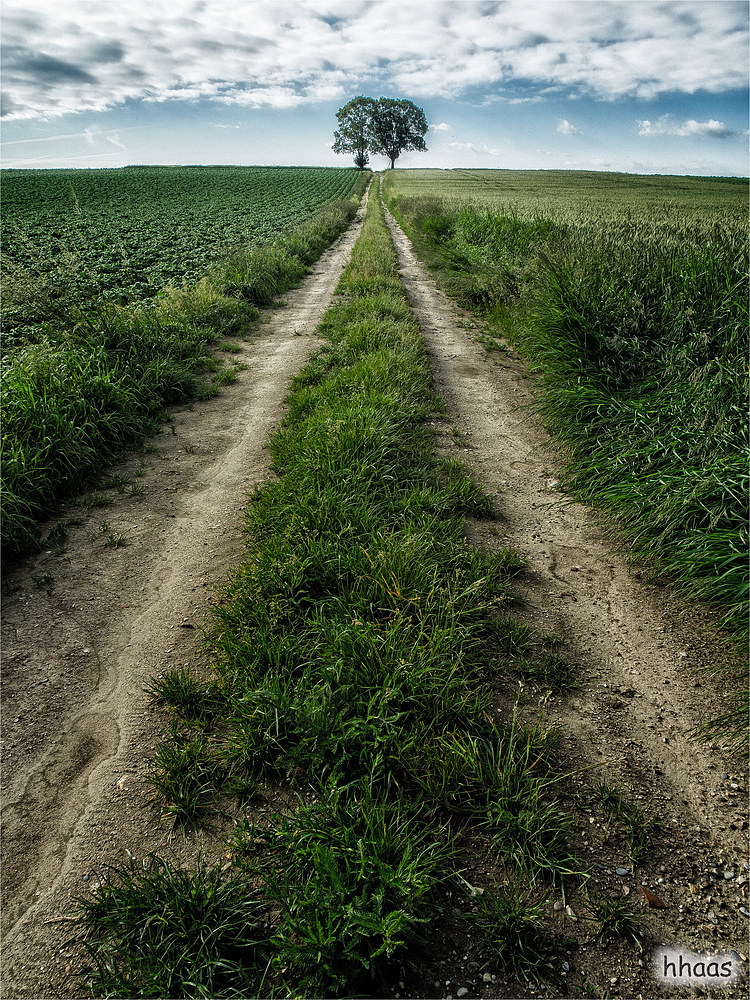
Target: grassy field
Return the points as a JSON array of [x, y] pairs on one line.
[[87, 363], [630, 297], [570, 195]]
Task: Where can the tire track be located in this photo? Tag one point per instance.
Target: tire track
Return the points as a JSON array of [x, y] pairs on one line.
[[79, 650], [638, 699]]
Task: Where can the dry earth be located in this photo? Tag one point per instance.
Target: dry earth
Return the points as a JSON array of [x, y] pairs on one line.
[[84, 630]]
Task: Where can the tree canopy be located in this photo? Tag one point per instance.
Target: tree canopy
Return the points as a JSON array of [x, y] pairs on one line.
[[385, 126], [353, 133]]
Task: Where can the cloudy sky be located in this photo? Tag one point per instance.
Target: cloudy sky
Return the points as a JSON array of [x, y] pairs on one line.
[[642, 86]]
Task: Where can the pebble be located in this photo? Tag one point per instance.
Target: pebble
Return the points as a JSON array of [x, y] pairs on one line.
[[462, 992], [622, 871], [728, 876], [486, 978], [745, 912]]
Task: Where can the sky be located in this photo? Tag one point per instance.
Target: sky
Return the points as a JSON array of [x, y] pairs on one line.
[[645, 86]]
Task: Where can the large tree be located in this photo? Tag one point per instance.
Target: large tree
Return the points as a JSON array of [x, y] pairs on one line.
[[384, 126], [397, 126], [353, 133]]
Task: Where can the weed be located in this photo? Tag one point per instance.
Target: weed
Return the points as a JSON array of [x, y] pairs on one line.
[[355, 881], [632, 822], [511, 922], [154, 930], [58, 536], [179, 690], [116, 541], [95, 500], [615, 919], [184, 775]]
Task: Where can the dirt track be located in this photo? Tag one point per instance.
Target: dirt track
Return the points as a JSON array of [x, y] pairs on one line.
[[84, 632], [639, 650]]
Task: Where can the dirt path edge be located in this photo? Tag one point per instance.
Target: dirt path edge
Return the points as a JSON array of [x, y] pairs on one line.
[[85, 629]]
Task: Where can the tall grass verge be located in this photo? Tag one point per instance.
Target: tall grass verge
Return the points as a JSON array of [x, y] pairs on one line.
[[359, 652], [96, 378], [637, 327]]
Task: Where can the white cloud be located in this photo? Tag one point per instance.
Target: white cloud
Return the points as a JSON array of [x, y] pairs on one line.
[[441, 127], [84, 56], [474, 147], [711, 129], [565, 128]]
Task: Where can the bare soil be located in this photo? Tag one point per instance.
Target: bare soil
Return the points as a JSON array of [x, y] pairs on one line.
[[85, 629]]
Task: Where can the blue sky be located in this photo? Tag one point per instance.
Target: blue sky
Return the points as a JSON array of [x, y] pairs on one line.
[[644, 87]]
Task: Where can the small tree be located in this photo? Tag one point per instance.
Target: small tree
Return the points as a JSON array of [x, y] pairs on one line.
[[353, 133], [396, 126]]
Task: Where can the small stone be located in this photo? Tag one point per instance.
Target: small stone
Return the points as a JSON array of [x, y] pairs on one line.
[[566, 966], [486, 978], [462, 992], [745, 912], [728, 876], [622, 871], [558, 906]]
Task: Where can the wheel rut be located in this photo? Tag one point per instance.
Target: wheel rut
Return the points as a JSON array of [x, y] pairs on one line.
[[639, 650], [86, 628]]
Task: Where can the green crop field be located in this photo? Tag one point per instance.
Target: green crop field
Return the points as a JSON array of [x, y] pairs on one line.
[[115, 283], [127, 233], [629, 295], [567, 195]]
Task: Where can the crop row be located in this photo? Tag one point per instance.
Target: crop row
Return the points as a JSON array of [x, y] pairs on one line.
[[73, 235]]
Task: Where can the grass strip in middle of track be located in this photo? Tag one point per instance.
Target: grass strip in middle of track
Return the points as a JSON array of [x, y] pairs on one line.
[[360, 653]]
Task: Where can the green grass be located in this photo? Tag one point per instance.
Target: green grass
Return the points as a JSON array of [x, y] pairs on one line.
[[511, 921], [629, 296], [615, 917], [630, 821], [152, 930], [360, 652]]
